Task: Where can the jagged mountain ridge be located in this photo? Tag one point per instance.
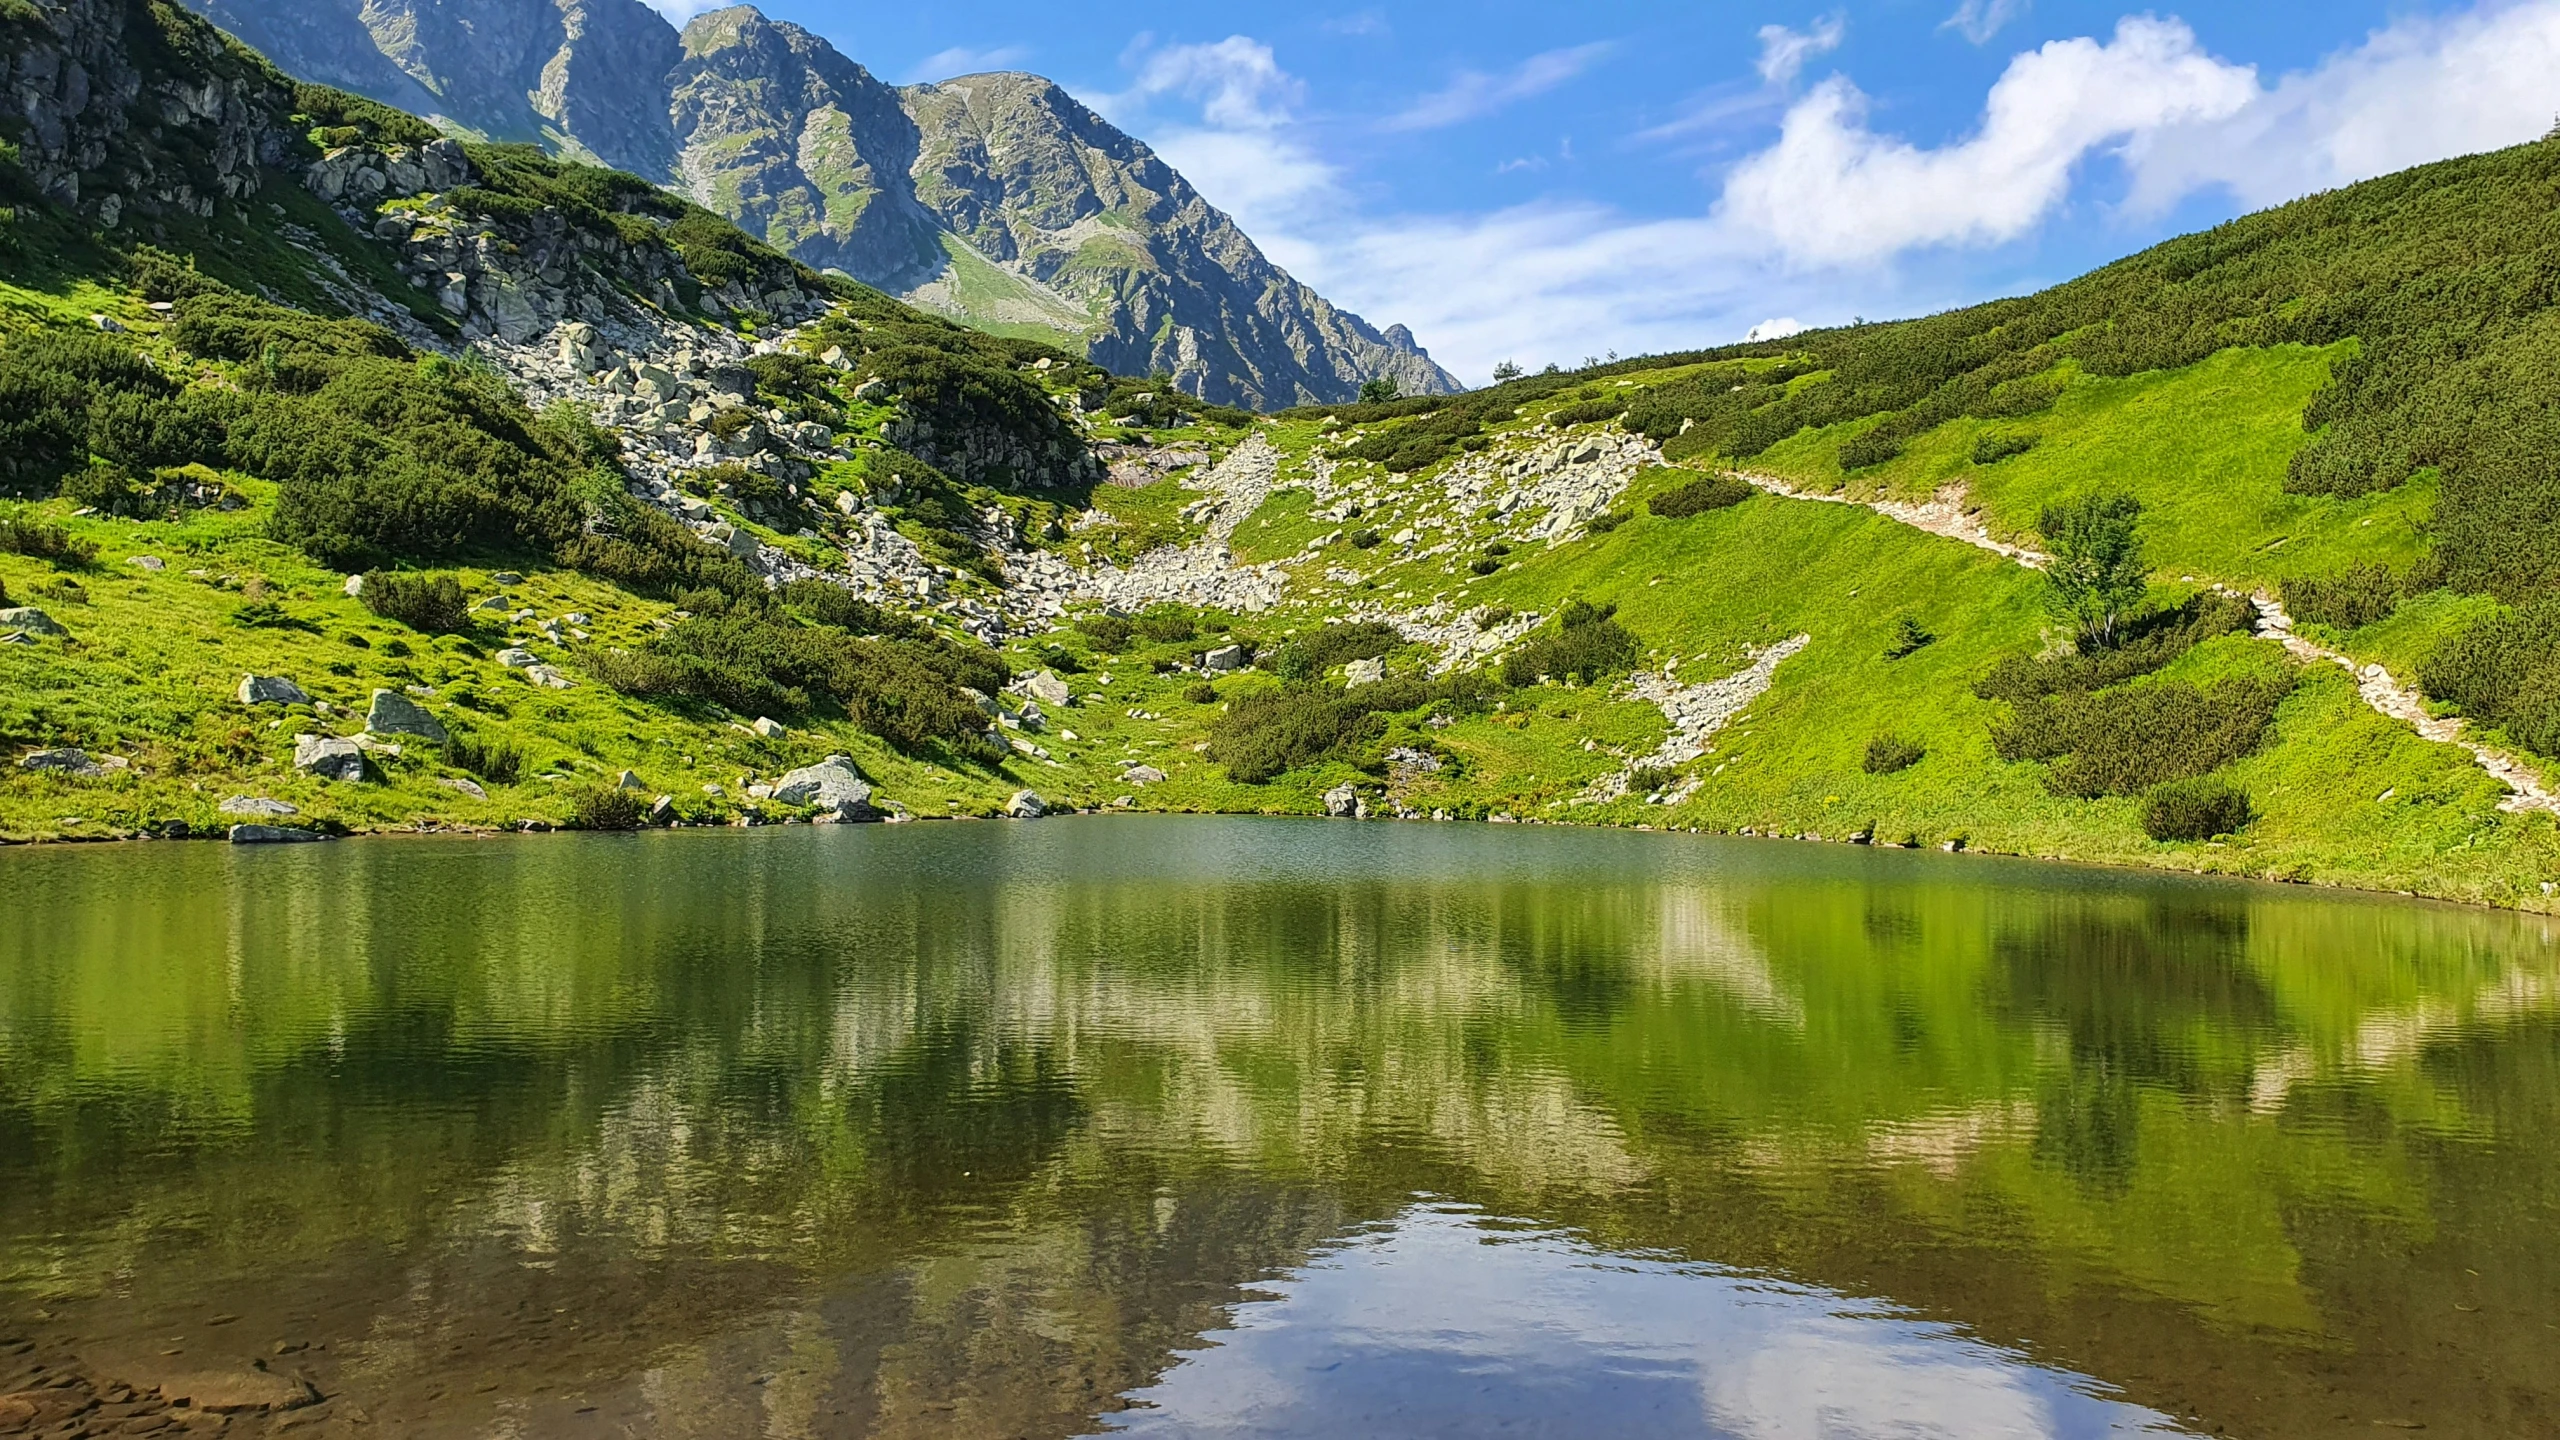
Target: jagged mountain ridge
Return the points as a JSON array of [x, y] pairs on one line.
[[998, 199]]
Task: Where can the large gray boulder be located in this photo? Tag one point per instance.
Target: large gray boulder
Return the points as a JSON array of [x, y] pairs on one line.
[[271, 690], [1223, 660], [393, 713], [328, 758], [31, 620], [833, 786], [1048, 689], [64, 762], [1026, 806], [1342, 802]]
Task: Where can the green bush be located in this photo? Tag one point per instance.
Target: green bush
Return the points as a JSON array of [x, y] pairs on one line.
[[1909, 638], [1606, 523], [2196, 810], [2358, 596], [431, 604], [1267, 734], [2144, 646], [1651, 780], [2504, 671], [606, 807], [1110, 634], [1891, 755], [2097, 577], [1366, 539], [1167, 625], [1587, 644], [1697, 497], [1588, 412], [1484, 565], [1203, 693], [498, 763], [2127, 740], [23, 534], [1993, 446]]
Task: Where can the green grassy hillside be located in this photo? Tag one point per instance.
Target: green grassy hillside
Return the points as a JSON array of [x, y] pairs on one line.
[[1552, 601]]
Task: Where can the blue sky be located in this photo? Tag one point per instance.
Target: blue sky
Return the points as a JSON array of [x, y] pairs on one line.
[[1544, 182]]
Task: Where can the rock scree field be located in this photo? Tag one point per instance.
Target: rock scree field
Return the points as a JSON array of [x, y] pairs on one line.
[[363, 479]]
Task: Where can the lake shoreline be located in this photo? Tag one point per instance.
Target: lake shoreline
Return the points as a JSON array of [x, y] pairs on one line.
[[2548, 904]]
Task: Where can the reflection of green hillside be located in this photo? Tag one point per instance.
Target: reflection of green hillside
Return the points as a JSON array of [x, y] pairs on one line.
[[1046, 1104]]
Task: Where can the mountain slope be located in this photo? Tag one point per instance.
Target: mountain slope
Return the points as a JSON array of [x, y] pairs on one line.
[[620, 489], [998, 199]]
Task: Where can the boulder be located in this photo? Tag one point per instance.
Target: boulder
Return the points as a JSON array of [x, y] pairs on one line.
[[1223, 660], [517, 658], [1026, 806], [1143, 776], [1047, 688], [832, 786], [273, 835], [328, 758], [271, 690], [460, 786], [547, 677], [254, 805], [151, 564], [31, 620], [1342, 802], [353, 588], [64, 762], [1364, 672], [1031, 718], [770, 728], [396, 714]]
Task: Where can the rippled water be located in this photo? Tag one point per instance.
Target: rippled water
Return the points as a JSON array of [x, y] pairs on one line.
[[1262, 1128]]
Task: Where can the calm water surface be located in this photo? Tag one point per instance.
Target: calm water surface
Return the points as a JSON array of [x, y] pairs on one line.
[[1261, 1128]]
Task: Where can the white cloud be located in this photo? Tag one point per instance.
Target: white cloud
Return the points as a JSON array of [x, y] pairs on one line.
[[1784, 52], [679, 11], [961, 60], [2417, 91], [1832, 191], [1776, 329], [1473, 94], [1237, 82], [1815, 226], [1979, 20]]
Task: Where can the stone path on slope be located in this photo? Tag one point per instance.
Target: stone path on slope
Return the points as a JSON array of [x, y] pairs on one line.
[[1946, 514], [1697, 712]]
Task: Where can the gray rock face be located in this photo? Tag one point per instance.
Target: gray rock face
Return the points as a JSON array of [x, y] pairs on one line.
[[328, 758], [273, 835], [833, 786], [63, 762], [252, 805], [31, 620], [1342, 802], [1026, 806], [271, 690], [1226, 659], [393, 713]]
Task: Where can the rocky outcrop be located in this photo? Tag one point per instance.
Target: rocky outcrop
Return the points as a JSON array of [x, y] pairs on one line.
[[97, 135], [1047, 190]]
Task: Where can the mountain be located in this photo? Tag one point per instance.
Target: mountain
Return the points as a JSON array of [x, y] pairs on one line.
[[998, 199], [408, 482]]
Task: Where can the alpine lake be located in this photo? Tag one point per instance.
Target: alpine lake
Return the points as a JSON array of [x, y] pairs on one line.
[[1203, 1127]]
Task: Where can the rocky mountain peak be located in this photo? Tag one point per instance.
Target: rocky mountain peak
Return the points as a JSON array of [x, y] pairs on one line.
[[998, 199]]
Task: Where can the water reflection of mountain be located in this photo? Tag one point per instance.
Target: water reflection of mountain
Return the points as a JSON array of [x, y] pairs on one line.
[[977, 1128]]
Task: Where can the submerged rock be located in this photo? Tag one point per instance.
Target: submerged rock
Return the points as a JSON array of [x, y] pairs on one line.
[[273, 835]]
